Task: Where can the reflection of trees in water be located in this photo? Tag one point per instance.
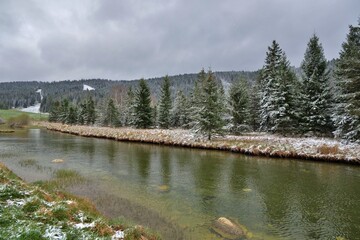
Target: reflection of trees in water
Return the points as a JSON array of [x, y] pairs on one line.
[[111, 151], [165, 162], [87, 148], [207, 176], [141, 154]]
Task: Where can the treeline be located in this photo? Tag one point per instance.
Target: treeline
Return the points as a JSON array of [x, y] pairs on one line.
[[23, 94], [278, 101]]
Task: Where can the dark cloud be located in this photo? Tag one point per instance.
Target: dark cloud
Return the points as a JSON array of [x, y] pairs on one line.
[[56, 40]]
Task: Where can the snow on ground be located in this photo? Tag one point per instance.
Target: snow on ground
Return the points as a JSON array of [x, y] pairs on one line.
[[325, 149], [87, 88], [32, 109]]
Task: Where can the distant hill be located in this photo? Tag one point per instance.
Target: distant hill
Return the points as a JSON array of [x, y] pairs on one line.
[[23, 94]]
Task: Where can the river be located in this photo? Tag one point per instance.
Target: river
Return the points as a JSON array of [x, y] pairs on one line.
[[179, 191]]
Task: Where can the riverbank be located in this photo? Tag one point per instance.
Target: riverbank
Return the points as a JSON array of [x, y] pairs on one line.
[[257, 144], [29, 212]]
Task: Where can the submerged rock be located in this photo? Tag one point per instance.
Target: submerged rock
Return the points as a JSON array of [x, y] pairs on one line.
[[57, 161], [164, 188], [228, 229]]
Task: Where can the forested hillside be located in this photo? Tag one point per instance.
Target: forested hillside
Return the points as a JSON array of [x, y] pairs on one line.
[[23, 94]]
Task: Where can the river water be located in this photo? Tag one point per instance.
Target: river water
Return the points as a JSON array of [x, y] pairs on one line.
[[179, 192]]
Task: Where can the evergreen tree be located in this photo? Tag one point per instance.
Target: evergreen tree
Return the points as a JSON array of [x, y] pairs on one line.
[[165, 104], [90, 116], [64, 111], [72, 116], [255, 105], [316, 95], [239, 106], [179, 113], [82, 114], [197, 101], [143, 111], [54, 114], [347, 118], [129, 113], [111, 115], [277, 94], [210, 109]]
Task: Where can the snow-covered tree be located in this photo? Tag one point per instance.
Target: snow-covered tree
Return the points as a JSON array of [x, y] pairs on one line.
[[277, 93], [180, 110], [165, 104], [316, 101], [239, 103], [347, 116], [129, 108], [208, 106], [143, 110]]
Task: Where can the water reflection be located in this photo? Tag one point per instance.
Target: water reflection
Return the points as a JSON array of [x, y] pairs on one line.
[[278, 198]]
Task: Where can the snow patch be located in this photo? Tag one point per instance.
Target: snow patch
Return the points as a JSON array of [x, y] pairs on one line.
[[87, 88], [118, 235], [32, 109], [84, 225]]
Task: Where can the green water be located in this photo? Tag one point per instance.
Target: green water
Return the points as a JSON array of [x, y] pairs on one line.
[[179, 191]]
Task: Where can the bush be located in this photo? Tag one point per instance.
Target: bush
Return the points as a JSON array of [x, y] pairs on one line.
[[327, 150], [19, 121]]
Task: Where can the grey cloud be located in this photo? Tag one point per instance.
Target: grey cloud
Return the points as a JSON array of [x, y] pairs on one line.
[[55, 40]]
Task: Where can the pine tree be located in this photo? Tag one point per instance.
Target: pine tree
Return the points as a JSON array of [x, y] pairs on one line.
[[239, 106], [315, 94], [179, 112], [277, 94], [143, 111], [64, 111], [54, 114], [90, 112], [347, 117], [72, 116], [165, 104], [255, 105], [82, 114], [111, 115], [129, 113], [210, 109]]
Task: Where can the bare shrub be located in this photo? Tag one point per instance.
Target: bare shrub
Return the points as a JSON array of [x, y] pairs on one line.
[[327, 150], [19, 121]]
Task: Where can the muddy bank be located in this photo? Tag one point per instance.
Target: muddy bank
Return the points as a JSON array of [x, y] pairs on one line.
[[317, 149]]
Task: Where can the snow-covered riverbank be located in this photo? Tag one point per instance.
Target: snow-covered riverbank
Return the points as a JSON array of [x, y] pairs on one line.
[[320, 149]]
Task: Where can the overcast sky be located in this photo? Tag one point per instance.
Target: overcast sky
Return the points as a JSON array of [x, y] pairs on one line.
[[55, 40]]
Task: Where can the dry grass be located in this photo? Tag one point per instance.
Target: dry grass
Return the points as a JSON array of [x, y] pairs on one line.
[[328, 150]]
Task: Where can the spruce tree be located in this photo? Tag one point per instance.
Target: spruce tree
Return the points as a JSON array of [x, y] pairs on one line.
[[211, 109], [130, 103], [111, 115], [72, 116], [82, 114], [315, 91], [165, 104], [179, 112], [54, 114], [64, 111], [277, 94], [347, 117], [90, 112], [239, 106], [143, 110]]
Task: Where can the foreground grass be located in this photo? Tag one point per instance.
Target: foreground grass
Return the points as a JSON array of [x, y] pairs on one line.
[[30, 212]]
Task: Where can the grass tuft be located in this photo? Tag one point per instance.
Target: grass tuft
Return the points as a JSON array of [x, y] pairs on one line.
[[328, 150]]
